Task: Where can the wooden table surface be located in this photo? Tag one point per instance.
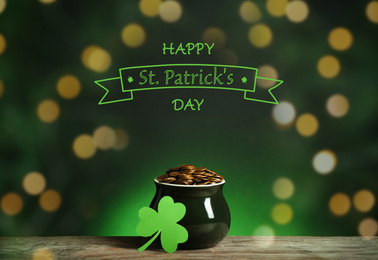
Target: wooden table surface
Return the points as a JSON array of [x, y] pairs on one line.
[[235, 247]]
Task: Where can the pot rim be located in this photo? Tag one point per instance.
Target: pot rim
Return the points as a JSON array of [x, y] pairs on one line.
[[189, 186]]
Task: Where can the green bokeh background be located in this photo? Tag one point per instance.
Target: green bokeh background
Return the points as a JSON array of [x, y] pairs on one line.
[[234, 137]]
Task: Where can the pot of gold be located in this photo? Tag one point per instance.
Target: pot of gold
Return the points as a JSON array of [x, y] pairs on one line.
[[207, 217]]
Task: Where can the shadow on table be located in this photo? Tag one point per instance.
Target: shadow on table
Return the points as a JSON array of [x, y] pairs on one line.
[[134, 242]]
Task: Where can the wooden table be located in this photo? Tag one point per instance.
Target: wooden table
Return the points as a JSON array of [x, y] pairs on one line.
[[236, 247]]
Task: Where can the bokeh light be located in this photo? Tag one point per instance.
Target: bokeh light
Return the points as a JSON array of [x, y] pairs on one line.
[[2, 88], [260, 35], [3, 44], [266, 71], [263, 230], [88, 208], [47, 1], [368, 228], [43, 254], [364, 200], [214, 35], [250, 12], [337, 105], [170, 11], [297, 11], [307, 124], [34, 183], [372, 11], [329, 66], [104, 137], [268, 233], [86, 53], [96, 58], [339, 204], [50, 200], [276, 8], [282, 213], [150, 8], [122, 139], [3, 4], [324, 161], [227, 56], [133, 35], [48, 111], [84, 146], [68, 86], [283, 188], [11, 204], [284, 113], [340, 39]]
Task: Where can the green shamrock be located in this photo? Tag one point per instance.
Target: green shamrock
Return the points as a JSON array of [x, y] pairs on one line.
[[244, 79], [130, 79], [163, 222]]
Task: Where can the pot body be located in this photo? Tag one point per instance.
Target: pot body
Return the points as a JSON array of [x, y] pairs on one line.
[[207, 217]]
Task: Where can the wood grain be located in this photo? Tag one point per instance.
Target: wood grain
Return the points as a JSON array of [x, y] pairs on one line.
[[235, 247]]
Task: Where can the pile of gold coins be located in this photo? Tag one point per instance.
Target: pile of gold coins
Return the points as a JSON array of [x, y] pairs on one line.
[[188, 174]]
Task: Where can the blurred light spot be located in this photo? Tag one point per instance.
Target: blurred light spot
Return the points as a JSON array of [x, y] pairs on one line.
[[133, 35], [2, 88], [307, 125], [340, 39], [368, 228], [48, 111], [214, 35], [267, 71], [150, 8], [34, 183], [50, 200], [337, 105], [122, 139], [84, 146], [68, 86], [268, 234], [339, 204], [86, 53], [104, 137], [3, 4], [260, 35], [47, 1], [276, 8], [249, 12], [284, 113], [324, 161], [283, 188], [3, 44], [263, 230], [43, 254], [297, 11], [372, 11], [99, 60], [96, 58], [88, 208], [170, 11], [11, 203], [228, 56], [329, 66], [364, 200], [282, 213]]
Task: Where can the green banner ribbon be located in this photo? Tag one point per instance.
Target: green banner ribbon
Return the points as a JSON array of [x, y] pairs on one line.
[[186, 76]]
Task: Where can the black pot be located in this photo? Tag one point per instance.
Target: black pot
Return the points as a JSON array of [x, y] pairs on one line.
[[207, 217]]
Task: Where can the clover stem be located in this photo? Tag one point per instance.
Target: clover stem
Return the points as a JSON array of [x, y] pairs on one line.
[[142, 248]]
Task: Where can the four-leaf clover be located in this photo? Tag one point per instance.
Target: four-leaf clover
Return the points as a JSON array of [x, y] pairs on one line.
[[163, 222], [130, 79], [244, 80]]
